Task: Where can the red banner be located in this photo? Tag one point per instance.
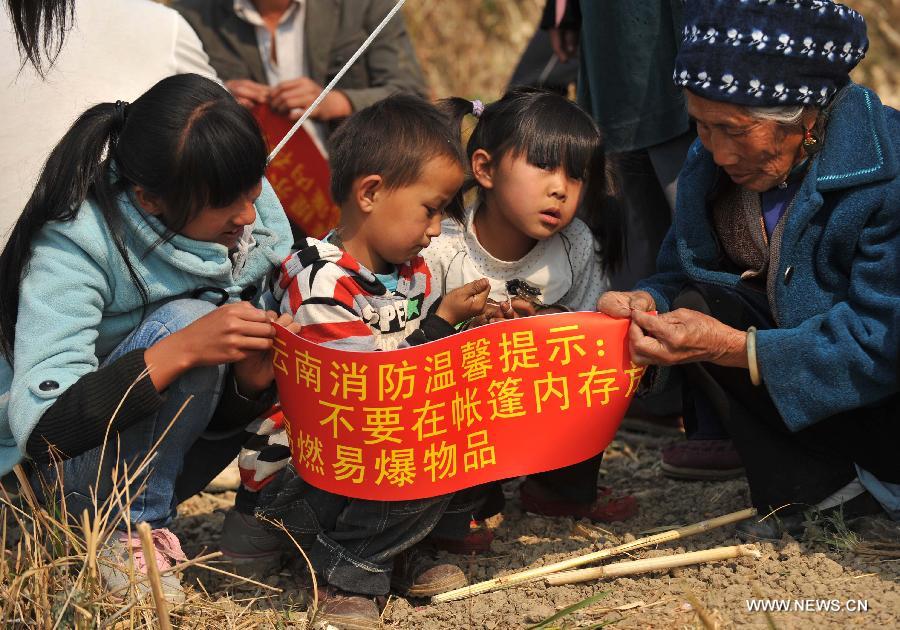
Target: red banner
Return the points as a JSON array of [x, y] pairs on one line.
[[299, 174], [508, 399]]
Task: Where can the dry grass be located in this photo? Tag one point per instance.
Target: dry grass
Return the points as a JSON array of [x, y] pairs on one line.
[[49, 577], [51, 563]]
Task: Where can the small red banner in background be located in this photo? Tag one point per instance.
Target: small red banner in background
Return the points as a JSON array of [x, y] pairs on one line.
[[299, 174], [503, 400]]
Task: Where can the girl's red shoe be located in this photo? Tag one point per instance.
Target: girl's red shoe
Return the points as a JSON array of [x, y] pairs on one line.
[[606, 508], [477, 541]]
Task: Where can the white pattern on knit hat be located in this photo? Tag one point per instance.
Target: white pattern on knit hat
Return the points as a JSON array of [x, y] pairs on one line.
[[769, 52], [729, 85], [785, 44], [780, 92], [756, 88], [759, 40], [809, 47]]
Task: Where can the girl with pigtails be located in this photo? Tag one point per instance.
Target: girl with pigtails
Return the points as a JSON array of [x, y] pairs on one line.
[[544, 228]]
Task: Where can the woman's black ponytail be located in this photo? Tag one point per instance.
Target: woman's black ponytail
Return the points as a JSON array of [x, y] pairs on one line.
[[77, 166]]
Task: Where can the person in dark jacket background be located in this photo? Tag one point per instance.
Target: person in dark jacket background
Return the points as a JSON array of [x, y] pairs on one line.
[[283, 52]]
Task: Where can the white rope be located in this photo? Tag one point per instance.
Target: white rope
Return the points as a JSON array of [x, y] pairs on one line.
[[337, 77]]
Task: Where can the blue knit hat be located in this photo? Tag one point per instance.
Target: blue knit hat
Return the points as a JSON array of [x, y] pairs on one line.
[[768, 53]]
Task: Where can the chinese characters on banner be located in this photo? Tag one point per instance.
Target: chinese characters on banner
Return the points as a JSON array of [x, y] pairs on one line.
[[512, 398], [299, 174]]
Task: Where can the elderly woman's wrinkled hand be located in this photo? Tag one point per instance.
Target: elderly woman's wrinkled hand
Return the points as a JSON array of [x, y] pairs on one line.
[[685, 336], [622, 303]]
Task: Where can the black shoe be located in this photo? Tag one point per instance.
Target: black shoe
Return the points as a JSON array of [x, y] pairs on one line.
[[252, 548], [776, 526]]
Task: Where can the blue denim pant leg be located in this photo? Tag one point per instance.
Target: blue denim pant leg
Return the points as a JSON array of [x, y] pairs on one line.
[[156, 504], [351, 543]]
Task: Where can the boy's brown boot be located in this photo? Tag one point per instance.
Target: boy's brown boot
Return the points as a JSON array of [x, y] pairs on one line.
[[417, 574], [340, 610]]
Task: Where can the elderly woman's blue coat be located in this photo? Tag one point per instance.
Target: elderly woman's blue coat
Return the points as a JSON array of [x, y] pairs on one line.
[[837, 301]]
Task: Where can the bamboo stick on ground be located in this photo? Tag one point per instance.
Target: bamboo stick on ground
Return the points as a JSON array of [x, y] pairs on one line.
[[162, 610], [532, 574], [632, 567]]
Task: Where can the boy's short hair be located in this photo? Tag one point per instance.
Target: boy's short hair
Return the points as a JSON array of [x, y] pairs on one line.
[[393, 138]]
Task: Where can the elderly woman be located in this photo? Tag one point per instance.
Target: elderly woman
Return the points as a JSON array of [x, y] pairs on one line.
[[778, 287]]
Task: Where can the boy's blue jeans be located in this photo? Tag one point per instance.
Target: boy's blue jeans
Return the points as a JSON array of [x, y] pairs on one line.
[[352, 543], [156, 504]]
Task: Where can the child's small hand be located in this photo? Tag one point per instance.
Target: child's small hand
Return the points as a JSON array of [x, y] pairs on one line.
[[465, 302], [498, 311], [493, 312]]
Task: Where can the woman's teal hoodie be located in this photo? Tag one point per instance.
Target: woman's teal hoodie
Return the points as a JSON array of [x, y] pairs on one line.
[[77, 301]]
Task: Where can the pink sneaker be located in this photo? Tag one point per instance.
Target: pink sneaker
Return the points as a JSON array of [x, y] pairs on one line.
[[114, 563]]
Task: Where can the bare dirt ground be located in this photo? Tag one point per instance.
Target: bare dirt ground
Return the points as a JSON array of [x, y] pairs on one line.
[[811, 569]]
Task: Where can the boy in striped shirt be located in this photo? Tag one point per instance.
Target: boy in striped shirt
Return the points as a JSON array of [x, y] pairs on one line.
[[395, 167]]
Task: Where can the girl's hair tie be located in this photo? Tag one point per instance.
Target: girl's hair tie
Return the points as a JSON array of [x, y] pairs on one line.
[[121, 112], [477, 108]]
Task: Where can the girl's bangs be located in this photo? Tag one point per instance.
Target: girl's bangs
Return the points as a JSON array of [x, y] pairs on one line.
[[563, 138]]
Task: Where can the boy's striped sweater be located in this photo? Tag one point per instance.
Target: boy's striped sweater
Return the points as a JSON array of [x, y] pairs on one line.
[[340, 304]]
